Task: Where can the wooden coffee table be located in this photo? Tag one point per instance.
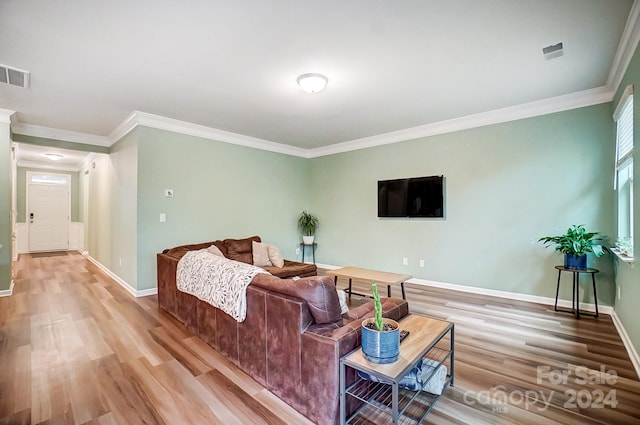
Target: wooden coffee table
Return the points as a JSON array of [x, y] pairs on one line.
[[385, 278]]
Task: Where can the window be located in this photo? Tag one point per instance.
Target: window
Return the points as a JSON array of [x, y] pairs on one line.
[[49, 178], [624, 171]]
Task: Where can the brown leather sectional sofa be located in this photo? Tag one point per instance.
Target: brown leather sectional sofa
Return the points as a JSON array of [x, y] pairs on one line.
[[293, 336]]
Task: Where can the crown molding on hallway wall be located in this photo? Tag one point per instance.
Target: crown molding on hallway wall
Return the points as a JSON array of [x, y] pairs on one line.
[[57, 134], [43, 166]]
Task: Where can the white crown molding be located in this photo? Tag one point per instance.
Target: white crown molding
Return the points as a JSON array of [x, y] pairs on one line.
[[5, 115], [57, 134], [45, 166], [532, 109], [124, 128], [526, 110], [183, 127], [626, 48]]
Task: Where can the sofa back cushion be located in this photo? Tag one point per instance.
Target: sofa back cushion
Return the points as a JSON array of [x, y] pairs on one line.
[[318, 292], [240, 249]]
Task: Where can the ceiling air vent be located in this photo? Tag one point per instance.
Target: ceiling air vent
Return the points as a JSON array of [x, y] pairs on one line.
[[553, 51], [14, 76]]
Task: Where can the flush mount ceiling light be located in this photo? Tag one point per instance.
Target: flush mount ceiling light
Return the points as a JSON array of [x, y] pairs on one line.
[[53, 156], [312, 83]]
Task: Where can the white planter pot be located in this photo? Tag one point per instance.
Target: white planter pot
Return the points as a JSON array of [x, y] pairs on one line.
[[307, 240]]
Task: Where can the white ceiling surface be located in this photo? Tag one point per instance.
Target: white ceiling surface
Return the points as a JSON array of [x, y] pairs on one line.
[[33, 156], [233, 66]]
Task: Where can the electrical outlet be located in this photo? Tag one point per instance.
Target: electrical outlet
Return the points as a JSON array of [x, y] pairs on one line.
[[421, 263], [168, 193], [619, 296], [405, 261], [163, 217], [297, 251]]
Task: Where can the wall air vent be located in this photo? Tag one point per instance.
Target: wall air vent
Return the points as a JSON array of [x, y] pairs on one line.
[[553, 51], [14, 76]]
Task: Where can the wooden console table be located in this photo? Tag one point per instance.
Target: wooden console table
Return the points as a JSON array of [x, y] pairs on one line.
[[385, 278]]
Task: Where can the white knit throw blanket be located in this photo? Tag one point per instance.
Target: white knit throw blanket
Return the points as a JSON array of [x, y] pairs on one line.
[[217, 280]]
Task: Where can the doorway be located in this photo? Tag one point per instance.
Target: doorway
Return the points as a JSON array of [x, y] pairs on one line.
[[48, 211]]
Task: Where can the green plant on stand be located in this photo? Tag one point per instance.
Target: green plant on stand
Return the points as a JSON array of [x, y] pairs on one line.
[[575, 244], [308, 224]]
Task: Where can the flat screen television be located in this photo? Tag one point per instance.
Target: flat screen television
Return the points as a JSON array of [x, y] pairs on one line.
[[414, 197]]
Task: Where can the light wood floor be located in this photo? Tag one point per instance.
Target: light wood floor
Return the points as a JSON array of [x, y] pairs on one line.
[[76, 348]]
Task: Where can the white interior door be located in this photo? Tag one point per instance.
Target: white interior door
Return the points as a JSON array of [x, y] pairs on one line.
[[48, 212]]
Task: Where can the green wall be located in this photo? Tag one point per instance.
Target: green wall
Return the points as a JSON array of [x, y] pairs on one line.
[[5, 206], [21, 194], [628, 278], [100, 181], [220, 191], [124, 201], [506, 186]]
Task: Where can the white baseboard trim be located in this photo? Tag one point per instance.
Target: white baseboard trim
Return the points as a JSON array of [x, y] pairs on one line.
[[8, 292], [631, 350], [605, 309], [130, 289], [146, 292]]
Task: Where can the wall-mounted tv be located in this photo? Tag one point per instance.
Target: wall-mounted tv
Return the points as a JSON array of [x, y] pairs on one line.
[[415, 197]]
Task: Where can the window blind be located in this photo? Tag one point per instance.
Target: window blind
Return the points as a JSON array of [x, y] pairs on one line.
[[624, 130]]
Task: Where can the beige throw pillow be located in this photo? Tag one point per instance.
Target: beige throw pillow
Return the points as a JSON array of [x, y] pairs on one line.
[[215, 251], [260, 254], [275, 257]]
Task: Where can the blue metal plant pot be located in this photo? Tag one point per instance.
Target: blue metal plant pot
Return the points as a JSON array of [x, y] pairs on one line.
[[381, 347], [576, 263]]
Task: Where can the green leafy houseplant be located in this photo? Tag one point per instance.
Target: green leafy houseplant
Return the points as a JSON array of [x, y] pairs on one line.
[[577, 242], [308, 223]]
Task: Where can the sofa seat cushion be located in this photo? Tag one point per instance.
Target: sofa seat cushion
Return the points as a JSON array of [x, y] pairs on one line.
[[292, 269], [319, 292]]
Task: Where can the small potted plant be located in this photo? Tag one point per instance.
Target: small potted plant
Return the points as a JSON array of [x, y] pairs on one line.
[[308, 224], [575, 244], [380, 336]]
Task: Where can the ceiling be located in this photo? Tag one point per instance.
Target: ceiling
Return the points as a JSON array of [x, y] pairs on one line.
[[232, 66], [34, 156]]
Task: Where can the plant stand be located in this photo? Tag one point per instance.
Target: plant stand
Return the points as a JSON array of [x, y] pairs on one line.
[[575, 296]]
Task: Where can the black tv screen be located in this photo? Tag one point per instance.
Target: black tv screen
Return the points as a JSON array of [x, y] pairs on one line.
[[415, 197]]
